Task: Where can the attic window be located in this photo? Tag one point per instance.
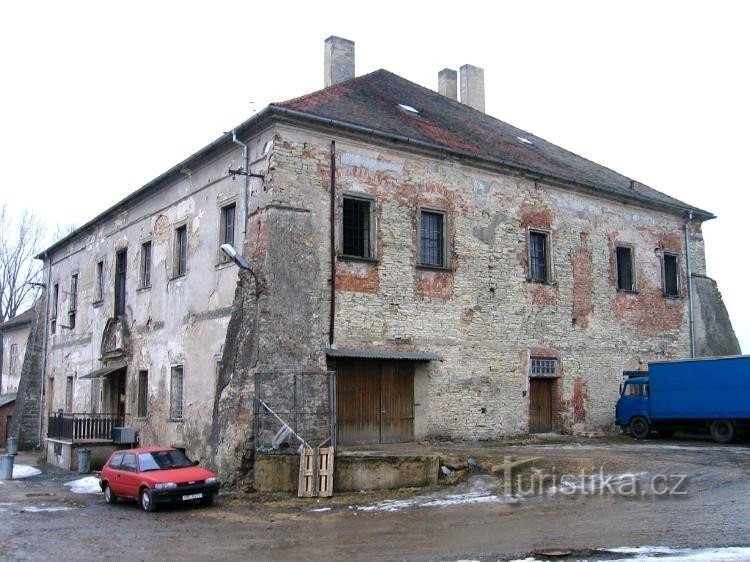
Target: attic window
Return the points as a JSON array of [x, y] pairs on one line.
[[524, 140], [409, 108]]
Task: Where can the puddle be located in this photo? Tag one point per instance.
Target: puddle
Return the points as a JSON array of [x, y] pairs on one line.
[[44, 509]]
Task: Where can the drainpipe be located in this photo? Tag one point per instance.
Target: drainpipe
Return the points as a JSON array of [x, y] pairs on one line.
[[332, 321], [690, 284], [45, 327], [245, 195]]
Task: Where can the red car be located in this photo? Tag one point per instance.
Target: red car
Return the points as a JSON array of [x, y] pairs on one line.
[[154, 475]]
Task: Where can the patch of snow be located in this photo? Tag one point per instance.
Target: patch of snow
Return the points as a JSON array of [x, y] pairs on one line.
[[666, 554], [35, 509], [524, 140], [408, 108], [319, 509], [24, 471], [87, 485]]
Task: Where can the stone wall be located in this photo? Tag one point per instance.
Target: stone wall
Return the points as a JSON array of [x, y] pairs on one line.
[[714, 335], [482, 315]]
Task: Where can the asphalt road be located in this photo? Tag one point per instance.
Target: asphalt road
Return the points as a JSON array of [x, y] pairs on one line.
[[577, 496]]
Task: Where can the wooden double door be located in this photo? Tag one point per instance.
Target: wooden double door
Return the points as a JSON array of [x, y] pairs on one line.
[[374, 402]]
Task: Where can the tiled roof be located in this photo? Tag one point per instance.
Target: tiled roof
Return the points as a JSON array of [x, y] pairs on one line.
[[383, 354], [18, 320], [383, 101]]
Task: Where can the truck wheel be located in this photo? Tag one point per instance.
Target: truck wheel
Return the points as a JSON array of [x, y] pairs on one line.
[[722, 431], [639, 427]]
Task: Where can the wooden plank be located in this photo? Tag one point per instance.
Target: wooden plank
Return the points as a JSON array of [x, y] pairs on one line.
[[316, 472], [397, 402], [358, 402]]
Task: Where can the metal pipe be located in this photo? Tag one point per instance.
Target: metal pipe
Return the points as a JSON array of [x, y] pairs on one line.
[[332, 320], [690, 284], [245, 195], [44, 355]]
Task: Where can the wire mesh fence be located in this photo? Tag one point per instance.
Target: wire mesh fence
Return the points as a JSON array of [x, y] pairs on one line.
[[293, 407]]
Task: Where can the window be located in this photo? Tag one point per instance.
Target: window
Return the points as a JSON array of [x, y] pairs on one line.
[[13, 358], [142, 394], [432, 238], [99, 287], [73, 301], [636, 389], [543, 367], [670, 269], [146, 264], [226, 235], [180, 251], [539, 257], [625, 273], [121, 271], [69, 394], [357, 227], [175, 395], [53, 314], [128, 463], [116, 460]]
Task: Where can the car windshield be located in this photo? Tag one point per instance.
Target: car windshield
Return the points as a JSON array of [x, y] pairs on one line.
[[163, 460]]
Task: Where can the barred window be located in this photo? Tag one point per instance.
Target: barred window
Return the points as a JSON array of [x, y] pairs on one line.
[[543, 367], [432, 238], [176, 396], [356, 224], [539, 263]]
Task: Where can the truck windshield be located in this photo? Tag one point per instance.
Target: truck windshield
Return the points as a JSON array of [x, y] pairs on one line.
[[636, 389]]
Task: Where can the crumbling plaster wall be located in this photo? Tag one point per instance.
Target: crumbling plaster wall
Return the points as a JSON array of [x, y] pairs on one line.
[[177, 321], [483, 317], [18, 336]]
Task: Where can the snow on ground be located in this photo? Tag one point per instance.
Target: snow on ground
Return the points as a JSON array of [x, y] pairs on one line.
[[667, 554], [43, 509], [87, 485], [320, 509], [24, 471]]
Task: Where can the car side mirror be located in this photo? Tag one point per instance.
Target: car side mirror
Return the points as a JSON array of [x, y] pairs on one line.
[[196, 463]]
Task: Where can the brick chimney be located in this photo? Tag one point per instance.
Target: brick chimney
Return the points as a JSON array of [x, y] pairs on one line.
[[472, 86], [448, 83], [338, 60]]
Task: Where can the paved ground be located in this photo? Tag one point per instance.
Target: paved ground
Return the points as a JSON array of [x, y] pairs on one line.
[[578, 495]]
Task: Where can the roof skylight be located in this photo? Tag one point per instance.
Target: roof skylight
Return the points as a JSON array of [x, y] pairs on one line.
[[524, 140], [409, 108]]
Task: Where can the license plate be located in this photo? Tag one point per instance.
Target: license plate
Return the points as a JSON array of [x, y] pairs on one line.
[[192, 497]]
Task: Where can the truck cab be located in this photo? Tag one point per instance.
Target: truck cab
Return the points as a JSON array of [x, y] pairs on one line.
[[633, 410]]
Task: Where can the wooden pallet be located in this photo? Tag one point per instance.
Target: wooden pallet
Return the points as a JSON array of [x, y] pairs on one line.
[[316, 472]]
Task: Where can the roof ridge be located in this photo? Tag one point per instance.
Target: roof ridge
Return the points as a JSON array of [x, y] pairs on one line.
[[329, 89]]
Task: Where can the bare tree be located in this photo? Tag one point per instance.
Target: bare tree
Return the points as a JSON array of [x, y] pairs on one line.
[[19, 243]]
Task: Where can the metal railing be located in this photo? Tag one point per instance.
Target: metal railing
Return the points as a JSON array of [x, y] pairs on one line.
[[81, 427]]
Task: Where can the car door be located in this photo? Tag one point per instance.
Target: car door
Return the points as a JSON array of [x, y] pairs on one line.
[[112, 471], [127, 476]]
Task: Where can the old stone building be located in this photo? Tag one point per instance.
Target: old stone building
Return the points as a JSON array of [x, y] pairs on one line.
[[15, 334], [442, 272]]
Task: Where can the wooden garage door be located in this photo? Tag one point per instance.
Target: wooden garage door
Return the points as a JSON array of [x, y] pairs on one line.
[[540, 405], [374, 402]]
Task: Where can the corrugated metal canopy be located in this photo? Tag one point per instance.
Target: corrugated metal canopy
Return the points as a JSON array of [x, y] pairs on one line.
[[104, 371], [383, 354]]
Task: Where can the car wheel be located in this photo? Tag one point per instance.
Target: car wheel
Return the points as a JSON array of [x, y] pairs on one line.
[[109, 496], [146, 500], [722, 431], [639, 427]]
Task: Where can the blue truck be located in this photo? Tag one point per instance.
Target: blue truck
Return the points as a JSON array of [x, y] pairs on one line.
[[693, 395]]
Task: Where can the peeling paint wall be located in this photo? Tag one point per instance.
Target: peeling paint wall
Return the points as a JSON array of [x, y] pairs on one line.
[[180, 320]]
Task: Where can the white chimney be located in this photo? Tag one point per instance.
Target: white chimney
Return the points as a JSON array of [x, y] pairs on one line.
[[338, 60], [448, 83], [472, 86]]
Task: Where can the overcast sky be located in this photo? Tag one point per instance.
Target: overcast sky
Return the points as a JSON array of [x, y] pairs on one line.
[[98, 98]]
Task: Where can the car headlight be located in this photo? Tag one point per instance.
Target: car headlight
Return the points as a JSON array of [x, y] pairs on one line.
[[165, 485], [212, 480]]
